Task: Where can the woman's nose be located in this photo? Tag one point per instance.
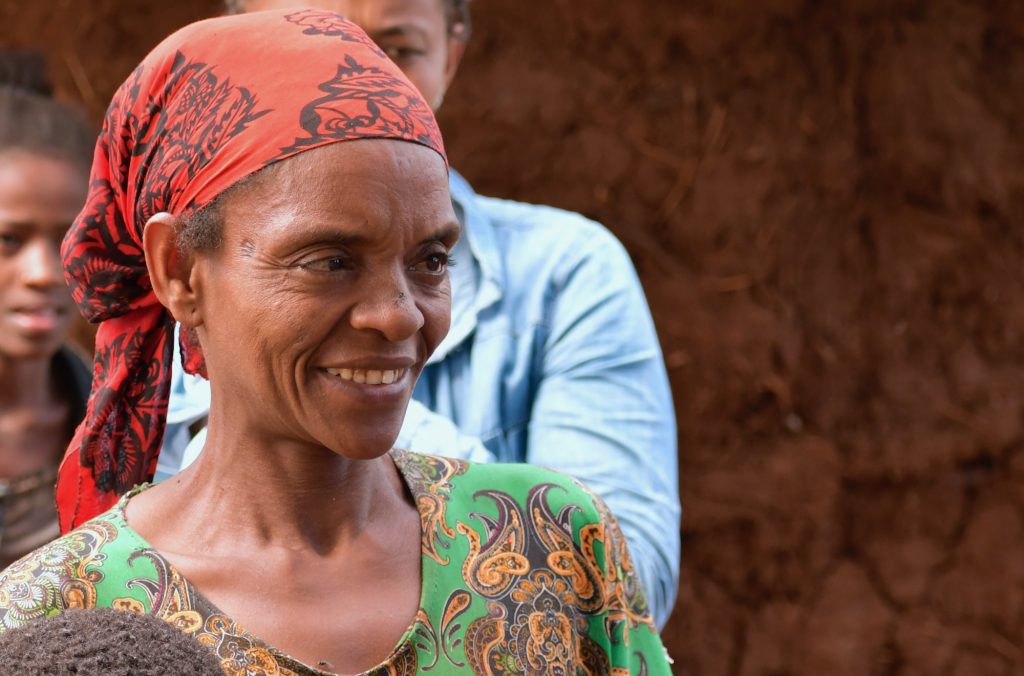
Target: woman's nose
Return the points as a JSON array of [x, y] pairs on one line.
[[40, 264], [388, 307]]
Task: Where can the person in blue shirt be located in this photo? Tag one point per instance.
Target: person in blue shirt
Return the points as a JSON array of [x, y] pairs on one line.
[[552, 357]]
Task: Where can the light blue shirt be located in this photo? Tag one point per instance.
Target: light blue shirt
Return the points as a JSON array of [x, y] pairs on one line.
[[552, 359]]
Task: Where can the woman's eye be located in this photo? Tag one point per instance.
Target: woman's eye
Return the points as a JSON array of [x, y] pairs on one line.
[[435, 264], [330, 264]]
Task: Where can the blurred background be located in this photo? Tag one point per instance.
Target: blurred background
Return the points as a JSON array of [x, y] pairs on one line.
[[824, 200]]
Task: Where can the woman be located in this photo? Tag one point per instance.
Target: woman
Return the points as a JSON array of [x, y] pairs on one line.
[[44, 169], [274, 184]]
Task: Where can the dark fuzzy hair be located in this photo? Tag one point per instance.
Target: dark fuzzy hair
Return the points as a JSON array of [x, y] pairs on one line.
[[31, 120], [104, 642], [203, 228], [456, 13]]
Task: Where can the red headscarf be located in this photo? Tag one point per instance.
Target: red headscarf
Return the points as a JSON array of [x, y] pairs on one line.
[[215, 102]]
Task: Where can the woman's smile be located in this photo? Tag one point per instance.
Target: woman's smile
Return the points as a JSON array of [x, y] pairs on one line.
[[368, 376], [373, 387], [380, 379]]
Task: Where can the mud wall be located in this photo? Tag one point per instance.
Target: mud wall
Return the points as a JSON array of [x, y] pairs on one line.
[[824, 202]]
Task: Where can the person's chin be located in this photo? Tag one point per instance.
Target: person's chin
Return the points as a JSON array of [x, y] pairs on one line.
[[358, 435], [22, 346]]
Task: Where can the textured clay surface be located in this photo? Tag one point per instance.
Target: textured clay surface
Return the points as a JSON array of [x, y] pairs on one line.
[[824, 203]]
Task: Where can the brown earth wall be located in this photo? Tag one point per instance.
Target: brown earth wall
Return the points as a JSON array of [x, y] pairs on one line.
[[824, 203]]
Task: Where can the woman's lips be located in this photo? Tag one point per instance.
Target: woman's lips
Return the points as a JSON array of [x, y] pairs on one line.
[[368, 376], [39, 319], [374, 387]]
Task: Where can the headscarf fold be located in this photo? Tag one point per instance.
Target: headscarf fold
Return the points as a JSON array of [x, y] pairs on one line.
[[212, 104]]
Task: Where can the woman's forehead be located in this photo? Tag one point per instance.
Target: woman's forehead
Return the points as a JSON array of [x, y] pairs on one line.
[[402, 167], [370, 182]]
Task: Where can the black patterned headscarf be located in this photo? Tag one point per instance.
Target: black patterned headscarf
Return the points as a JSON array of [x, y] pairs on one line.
[[215, 102]]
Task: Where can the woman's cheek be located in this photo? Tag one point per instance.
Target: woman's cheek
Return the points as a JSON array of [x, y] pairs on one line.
[[437, 315]]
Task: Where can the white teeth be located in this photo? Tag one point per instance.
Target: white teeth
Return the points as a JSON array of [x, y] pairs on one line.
[[368, 376]]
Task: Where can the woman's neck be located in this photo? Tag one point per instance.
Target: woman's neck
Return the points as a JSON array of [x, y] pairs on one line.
[[295, 495], [26, 383]]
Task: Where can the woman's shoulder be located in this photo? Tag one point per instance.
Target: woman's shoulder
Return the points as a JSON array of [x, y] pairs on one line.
[[527, 542], [472, 481], [76, 570]]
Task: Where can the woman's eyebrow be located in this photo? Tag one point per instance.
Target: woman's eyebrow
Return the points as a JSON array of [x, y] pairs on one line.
[[328, 233], [448, 232]]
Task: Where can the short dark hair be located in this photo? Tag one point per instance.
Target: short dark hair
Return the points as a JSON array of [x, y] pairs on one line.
[[31, 120], [203, 228], [456, 13], [102, 642]]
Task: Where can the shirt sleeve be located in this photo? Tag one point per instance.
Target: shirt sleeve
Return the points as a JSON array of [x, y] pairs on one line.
[[603, 410], [188, 402]]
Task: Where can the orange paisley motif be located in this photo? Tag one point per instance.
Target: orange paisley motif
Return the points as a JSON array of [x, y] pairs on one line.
[[484, 639], [578, 563], [494, 566], [542, 587], [429, 479]]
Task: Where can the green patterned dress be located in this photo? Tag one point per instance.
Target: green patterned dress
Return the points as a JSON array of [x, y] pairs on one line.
[[524, 572]]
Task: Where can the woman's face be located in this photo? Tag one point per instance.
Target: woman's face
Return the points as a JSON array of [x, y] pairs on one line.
[[39, 198], [328, 293]]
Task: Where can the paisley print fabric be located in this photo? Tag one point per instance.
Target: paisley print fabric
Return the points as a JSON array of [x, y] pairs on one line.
[[524, 572], [212, 104]]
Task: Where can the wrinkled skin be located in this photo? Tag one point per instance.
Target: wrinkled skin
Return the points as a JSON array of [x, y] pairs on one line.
[[333, 259]]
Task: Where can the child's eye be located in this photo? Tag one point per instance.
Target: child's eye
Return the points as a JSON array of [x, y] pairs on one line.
[[397, 53], [9, 242]]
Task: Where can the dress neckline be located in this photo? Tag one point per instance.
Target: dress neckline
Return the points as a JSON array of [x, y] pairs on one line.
[[400, 458]]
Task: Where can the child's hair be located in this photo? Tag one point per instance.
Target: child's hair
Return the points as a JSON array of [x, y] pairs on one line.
[[32, 120], [104, 642]]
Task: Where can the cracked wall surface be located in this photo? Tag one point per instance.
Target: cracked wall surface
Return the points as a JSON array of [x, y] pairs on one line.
[[824, 203]]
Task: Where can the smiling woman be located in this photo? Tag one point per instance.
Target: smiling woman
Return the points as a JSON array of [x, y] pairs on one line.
[[44, 153], [335, 277], [272, 183]]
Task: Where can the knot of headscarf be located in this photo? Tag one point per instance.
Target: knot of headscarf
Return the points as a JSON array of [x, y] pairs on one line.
[[212, 104]]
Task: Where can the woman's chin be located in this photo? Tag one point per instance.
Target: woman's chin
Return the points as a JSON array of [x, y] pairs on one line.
[[365, 444]]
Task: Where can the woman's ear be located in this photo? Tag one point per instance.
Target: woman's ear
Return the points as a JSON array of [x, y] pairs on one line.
[[171, 272]]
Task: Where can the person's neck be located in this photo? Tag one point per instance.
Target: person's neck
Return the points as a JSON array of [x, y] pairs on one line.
[[25, 383], [285, 493]]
